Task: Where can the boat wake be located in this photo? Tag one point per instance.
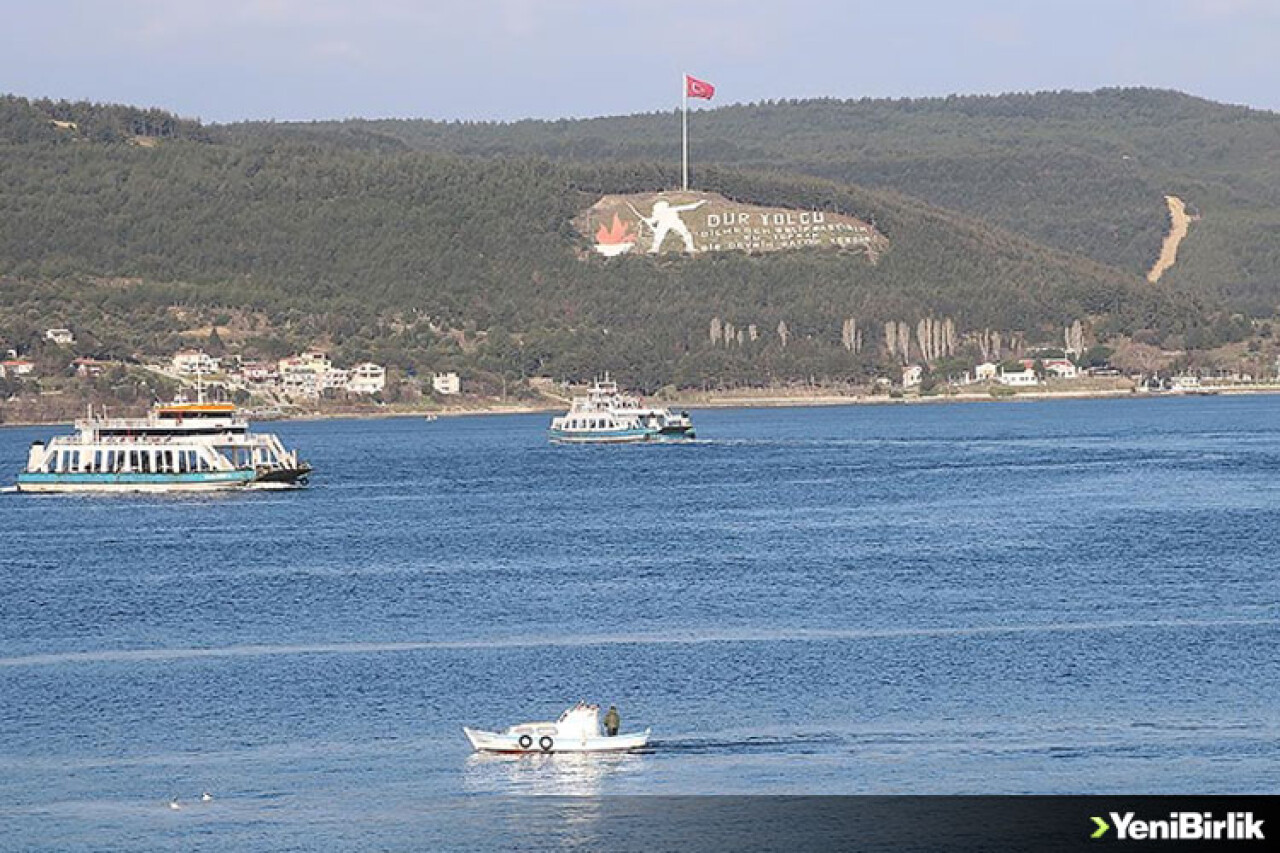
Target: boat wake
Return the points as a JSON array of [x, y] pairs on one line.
[[669, 638], [797, 743]]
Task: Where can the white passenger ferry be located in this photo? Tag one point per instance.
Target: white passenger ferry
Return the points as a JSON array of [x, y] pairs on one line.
[[607, 416], [180, 446]]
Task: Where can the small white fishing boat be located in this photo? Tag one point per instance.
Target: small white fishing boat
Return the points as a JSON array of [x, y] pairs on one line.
[[577, 730]]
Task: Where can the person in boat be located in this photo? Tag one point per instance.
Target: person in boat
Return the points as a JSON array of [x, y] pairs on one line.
[[612, 721]]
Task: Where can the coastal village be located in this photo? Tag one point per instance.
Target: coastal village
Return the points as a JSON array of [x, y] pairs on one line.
[[311, 382], [297, 384]]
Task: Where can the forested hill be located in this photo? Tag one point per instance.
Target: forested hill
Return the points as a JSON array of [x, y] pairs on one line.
[[1084, 172], [66, 122], [139, 230]]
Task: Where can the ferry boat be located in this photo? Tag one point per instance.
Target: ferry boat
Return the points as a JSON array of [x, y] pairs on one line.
[[608, 416], [180, 446]]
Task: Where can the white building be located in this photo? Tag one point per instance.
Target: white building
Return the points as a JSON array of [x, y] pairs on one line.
[[1018, 379], [367, 378], [912, 375], [15, 367], [62, 337], [446, 383], [304, 375], [317, 360], [335, 379], [89, 367], [986, 371], [1061, 368], [189, 362], [298, 379], [257, 371]]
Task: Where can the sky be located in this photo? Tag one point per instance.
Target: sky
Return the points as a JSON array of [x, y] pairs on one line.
[[228, 60]]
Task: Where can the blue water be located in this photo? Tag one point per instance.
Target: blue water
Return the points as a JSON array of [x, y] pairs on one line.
[[1075, 596]]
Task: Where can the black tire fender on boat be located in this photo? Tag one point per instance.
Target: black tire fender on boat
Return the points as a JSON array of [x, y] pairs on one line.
[[546, 743], [525, 741]]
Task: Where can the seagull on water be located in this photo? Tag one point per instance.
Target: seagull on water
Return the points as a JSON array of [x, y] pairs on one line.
[[206, 797], [173, 804]]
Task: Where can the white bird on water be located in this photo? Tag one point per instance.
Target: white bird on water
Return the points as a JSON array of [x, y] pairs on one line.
[[173, 804], [206, 797]]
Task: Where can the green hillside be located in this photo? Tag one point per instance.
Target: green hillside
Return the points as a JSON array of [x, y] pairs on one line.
[[137, 228], [1083, 172]]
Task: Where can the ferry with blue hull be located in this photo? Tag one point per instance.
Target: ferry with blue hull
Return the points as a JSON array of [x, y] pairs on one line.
[[178, 447], [607, 416]]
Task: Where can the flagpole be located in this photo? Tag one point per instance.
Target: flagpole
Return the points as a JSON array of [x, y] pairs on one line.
[[684, 101]]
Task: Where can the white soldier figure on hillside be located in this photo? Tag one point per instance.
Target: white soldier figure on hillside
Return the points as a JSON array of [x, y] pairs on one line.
[[664, 217]]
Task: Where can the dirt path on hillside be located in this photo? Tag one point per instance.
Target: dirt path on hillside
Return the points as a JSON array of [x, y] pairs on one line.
[[1177, 231]]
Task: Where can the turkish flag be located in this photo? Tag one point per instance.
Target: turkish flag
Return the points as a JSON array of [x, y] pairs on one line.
[[695, 88]]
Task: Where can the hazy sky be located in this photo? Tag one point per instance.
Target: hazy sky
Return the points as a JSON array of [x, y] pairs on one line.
[[223, 60]]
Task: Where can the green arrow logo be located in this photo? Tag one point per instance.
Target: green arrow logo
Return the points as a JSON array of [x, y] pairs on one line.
[[1102, 828]]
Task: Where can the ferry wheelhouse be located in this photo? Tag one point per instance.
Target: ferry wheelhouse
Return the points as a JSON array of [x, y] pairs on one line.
[[608, 416], [179, 446]]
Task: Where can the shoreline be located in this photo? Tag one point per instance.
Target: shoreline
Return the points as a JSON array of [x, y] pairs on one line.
[[764, 401]]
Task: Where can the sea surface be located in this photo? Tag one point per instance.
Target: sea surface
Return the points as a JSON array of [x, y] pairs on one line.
[[1031, 597]]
